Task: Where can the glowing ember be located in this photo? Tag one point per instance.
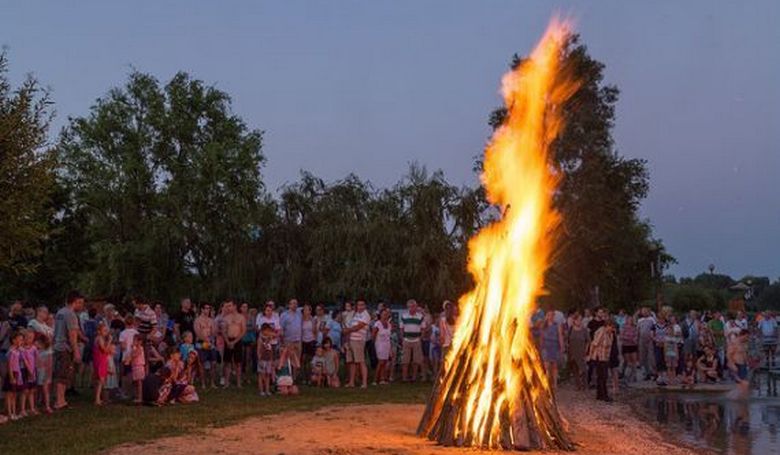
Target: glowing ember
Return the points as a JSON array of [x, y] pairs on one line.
[[493, 392]]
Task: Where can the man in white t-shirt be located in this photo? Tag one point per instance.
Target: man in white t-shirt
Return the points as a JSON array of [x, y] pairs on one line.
[[126, 345], [356, 349]]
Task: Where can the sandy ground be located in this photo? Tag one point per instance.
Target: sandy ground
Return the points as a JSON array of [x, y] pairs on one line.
[[596, 427]]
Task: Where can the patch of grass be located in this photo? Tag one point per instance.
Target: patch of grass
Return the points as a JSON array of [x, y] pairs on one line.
[[84, 429]]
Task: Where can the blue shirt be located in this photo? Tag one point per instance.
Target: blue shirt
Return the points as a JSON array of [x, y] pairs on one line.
[[292, 326], [335, 333]]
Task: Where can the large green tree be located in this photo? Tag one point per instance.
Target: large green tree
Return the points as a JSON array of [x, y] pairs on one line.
[[26, 174], [167, 180]]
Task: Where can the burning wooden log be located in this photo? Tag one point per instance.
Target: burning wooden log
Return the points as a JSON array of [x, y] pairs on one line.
[[492, 391]]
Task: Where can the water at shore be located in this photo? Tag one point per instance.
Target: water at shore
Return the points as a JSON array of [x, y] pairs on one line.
[[716, 422]]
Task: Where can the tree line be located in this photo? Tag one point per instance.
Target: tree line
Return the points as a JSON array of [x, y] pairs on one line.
[[159, 190]]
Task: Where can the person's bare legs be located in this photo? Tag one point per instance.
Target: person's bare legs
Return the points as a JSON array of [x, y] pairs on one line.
[[379, 373], [352, 372], [99, 392], [364, 373], [59, 392], [237, 366], [405, 372], [415, 371]]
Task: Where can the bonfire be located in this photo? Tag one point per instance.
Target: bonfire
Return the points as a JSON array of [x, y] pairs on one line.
[[493, 391]]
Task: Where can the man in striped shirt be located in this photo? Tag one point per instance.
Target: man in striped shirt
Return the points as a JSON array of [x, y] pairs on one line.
[[412, 324]]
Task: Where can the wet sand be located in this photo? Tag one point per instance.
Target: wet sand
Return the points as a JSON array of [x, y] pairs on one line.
[[598, 428]]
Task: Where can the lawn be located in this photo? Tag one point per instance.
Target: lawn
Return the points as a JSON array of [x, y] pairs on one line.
[[86, 429]]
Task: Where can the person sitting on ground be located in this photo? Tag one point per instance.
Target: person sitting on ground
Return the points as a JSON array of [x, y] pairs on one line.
[[152, 386], [284, 373], [689, 372], [707, 365]]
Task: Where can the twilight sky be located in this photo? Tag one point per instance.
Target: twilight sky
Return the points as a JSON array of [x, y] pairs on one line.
[[367, 87]]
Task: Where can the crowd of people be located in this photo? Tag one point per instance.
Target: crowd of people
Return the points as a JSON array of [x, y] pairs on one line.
[[707, 347], [143, 355], [148, 357]]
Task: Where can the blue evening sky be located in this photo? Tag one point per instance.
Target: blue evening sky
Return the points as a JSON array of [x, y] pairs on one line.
[[368, 87]]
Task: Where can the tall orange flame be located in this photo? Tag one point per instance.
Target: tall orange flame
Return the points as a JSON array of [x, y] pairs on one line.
[[494, 391]]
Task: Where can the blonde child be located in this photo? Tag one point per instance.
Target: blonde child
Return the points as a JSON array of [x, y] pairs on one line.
[[43, 368], [14, 382], [29, 353], [138, 367], [284, 374], [112, 379], [101, 352], [265, 360]]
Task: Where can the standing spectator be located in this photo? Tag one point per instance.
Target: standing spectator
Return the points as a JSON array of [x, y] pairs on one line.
[[249, 341], [40, 323], [731, 328], [44, 369], [145, 317], [599, 353], [381, 333], [768, 327], [425, 343], [645, 325], [29, 371], [356, 350], [659, 339], [265, 359], [447, 327], [66, 351], [672, 348], [321, 326], [100, 359], [164, 330], [270, 317], [579, 339], [235, 327], [184, 320], [308, 341], [15, 380], [716, 326], [16, 317], [411, 328], [629, 340], [126, 338], [690, 331], [335, 329], [552, 346], [594, 324], [205, 345], [737, 361], [291, 322], [88, 332]]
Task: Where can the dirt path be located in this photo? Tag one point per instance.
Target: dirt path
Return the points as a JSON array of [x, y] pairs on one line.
[[598, 428]]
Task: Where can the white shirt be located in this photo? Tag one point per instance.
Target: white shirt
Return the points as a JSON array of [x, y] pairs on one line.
[[126, 339], [273, 321], [361, 334]]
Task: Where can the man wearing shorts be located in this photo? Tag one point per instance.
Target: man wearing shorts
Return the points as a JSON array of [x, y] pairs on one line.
[[291, 322], [411, 325], [66, 351], [235, 328], [356, 350], [205, 344]]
